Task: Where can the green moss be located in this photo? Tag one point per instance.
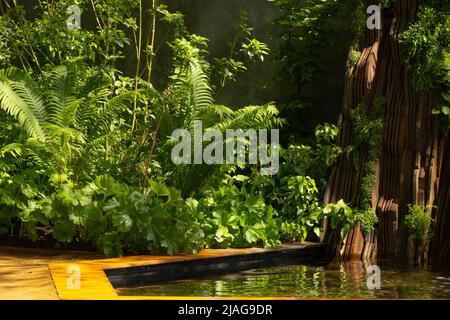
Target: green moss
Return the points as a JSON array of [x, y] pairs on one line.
[[353, 59], [367, 136], [367, 218]]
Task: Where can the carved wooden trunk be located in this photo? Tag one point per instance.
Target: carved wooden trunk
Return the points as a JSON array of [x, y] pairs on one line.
[[413, 163]]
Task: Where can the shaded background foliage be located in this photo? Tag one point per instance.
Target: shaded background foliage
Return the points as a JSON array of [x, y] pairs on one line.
[[298, 90]]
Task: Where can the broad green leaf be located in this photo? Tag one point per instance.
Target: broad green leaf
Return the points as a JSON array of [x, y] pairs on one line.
[[317, 231], [159, 188], [63, 231]]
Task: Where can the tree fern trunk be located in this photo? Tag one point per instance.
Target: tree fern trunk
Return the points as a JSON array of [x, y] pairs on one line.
[[411, 151], [440, 245]]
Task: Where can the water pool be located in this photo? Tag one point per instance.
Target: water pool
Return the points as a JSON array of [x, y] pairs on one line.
[[334, 281]]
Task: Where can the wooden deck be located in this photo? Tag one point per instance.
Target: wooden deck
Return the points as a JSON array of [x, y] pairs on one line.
[[24, 273]]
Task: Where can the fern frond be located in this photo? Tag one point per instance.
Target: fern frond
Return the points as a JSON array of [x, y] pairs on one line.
[[58, 133], [23, 101], [192, 84], [14, 149], [67, 115], [61, 100], [201, 92], [256, 117]]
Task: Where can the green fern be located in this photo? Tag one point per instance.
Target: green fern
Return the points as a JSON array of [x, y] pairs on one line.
[[20, 98], [191, 98], [59, 117]]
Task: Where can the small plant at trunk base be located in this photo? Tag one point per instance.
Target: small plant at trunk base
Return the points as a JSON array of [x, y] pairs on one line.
[[345, 218], [418, 223], [341, 216]]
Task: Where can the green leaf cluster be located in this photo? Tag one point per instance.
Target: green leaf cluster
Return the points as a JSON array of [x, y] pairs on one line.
[[418, 222], [234, 217]]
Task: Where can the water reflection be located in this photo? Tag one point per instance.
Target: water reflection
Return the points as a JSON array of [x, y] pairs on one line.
[[346, 280]]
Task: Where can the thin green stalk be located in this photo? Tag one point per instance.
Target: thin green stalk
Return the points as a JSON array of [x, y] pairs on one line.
[[96, 15], [151, 41], [138, 66], [150, 50]]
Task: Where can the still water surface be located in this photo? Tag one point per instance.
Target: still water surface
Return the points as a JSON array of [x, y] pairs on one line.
[[334, 281]]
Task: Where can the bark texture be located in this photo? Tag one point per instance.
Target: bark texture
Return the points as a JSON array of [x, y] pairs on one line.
[[440, 250], [413, 163]]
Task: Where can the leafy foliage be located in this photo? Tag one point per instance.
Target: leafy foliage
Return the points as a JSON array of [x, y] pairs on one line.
[[233, 217], [227, 69], [312, 160], [83, 155], [300, 209], [306, 29], [114, 218], [427, 53], [47, 40], [341, 217], [189, 98], [85, 147], [418, 222], [427, 45]]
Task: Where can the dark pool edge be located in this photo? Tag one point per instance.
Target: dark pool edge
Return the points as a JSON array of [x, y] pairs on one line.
[[170, 271]]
